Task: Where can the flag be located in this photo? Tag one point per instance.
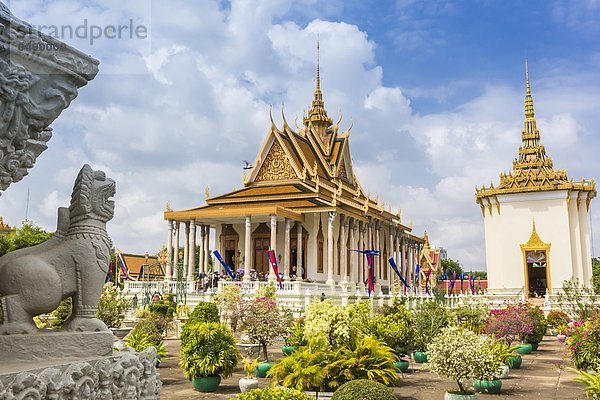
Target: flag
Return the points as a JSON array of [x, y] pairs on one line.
[[395, 268], [109, 275], [462, 278], [123, 266], [223, 263], [427, 275], [472, 284], [452, 282], [445, 276], [416, 280], [273, 260], [370, 259], [141, 274]]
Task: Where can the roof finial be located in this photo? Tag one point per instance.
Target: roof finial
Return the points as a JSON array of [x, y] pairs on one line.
[[528, 88], [529, 113], [318, 64]]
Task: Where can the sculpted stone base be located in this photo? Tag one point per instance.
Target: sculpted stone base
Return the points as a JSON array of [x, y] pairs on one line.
[[55, 345], [126, 375]]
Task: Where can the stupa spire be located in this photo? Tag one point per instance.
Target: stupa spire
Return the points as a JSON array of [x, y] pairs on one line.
[[529, 113], [317, 115]]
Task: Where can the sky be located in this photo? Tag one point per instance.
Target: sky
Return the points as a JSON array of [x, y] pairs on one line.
[[434, 89]]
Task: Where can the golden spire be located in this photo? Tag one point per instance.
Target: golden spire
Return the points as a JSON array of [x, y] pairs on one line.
[[317, 116], [528, 99]]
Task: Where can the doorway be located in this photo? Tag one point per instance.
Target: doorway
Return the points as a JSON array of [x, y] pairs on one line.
[[537, 277]]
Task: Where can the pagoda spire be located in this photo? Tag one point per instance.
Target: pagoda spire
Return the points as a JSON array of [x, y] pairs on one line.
[[317, 115], [529, 113]]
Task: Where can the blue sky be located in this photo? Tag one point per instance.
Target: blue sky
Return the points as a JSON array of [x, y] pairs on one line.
[[435, 90]]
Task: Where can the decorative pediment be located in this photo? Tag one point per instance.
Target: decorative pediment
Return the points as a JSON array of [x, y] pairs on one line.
[[535, 242], [276, 166]]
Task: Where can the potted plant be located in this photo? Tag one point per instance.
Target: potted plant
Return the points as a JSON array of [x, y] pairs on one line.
[[461, 355], [208, 352], [486, 379], [295, 339], [540, 325], [395, 330], [428, 320], [556, 320], [505, 353], [249, 382], [140, 340], [511, 323]]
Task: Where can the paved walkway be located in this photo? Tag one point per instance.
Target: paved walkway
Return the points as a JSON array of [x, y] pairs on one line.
[[542, 376]]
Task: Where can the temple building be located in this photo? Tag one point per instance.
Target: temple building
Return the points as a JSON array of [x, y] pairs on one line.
[[302, 199], [537, 233]]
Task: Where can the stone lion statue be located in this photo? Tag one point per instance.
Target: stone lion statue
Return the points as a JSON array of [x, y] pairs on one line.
[[73, 263]]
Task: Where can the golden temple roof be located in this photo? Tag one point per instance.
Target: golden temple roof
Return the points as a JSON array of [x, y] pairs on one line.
[[533, 170]]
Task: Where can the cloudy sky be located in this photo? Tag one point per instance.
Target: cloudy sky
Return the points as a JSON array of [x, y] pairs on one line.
[[434, 88]]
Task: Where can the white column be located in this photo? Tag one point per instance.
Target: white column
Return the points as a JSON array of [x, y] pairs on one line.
[[192, 252], [176, 250], [169, 266], [344, 248], [207, 248], [353, 254], [361, 257], [186, 249], [299, 257], [201, 252], [286, 250], [330, 223], [390, 273], [377, 267], [273, 244], [247, 250]]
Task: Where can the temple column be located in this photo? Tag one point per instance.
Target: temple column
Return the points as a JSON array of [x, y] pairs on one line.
[[286, 249], [201, 252], [361, 256], [186, 250], [273, 244], [299, 259], [353, 260], [403, 260], [344, 248], [176, 251], [192, 252], [377, 260], [247, 250], [391, 274], [330, 223], [207, 247], [398, 258], [169, 266]]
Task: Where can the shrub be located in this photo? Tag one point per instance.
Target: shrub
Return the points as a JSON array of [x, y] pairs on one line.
[[230, 303], [471, 316], [263, 321], [395, 330], [273, 393], [327, 326], [112, 306], [296, 335], [462, 355], [165, 308], [584, 301], [591, 380], [204, 312], [584, 344], [429, 319], [511, 323], [503, 351], [207, 349], [539, 325], [363, 389], [557, 319], [62, 313], [140, 341], [154, 327]]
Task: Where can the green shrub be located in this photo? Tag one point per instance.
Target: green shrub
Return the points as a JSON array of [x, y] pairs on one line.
[[363, 389], [208, 349], [112, 306], [395, 329], [205, 312], [165, 308], [428, 320], [557, 319], [327, 326], [154, 326], [62, 313], [591, 380], [584, 342], [273, 393], [296, 336], [471, 316], [540, 325], [140, 341]]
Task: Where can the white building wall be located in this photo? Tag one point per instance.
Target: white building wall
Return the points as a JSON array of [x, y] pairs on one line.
[[576, 266], [586, 251]]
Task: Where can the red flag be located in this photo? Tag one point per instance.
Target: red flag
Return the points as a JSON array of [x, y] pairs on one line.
[[273, 260], [370, 278]]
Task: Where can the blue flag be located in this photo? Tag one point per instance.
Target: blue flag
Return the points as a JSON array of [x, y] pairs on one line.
[[223, 263], [395, 268]]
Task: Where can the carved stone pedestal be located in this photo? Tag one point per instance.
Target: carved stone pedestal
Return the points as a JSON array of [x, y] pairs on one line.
[[125, 375]]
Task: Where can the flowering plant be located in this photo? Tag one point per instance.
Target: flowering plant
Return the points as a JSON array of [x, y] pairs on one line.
[[584, 343], [511, 323], [460, 355], [327, 326]]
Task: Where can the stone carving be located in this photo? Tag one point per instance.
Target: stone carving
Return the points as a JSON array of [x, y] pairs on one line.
[[39, 77], [128, 375], [73, 263], [276, 166]]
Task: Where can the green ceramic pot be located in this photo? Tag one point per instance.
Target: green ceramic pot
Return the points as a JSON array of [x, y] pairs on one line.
[[485, 386], [524, 348], [515, 362], [207, 384], [287, 350], [262, 369], [534, 346], [402, 365], [420, 357]]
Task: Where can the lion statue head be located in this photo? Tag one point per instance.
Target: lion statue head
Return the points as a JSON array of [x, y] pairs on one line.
[[91, 196]]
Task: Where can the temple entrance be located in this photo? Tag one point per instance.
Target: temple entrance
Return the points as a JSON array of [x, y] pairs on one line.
[[261, 259], [229, 246], [537, 281]]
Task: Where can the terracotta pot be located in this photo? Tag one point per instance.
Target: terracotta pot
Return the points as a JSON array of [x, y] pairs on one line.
[[207, 384]]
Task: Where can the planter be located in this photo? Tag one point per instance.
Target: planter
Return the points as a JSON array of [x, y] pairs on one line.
[[561, 338], [485, 386], [458, 396], [503, 373], [321, 395], [247, 384], [262, 369], [206, 384], [120, 333], [515, 362], [534, 346], [524, 348], [287, 350], [420, 357], [402, 365]]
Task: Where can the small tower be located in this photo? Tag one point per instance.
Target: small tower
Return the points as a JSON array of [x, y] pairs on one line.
[[317, 115]]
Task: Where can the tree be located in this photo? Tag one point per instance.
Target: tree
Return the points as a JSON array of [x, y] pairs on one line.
[[27, 235], [596, 273], [449, 266]]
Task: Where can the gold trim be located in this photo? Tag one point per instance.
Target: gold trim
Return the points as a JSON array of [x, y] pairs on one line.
[[536, 243]]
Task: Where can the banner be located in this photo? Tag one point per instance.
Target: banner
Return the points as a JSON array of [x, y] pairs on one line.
[[452, 282], [273, 261], [395, 268], [417, 277], [472, 284], [123, 266], [427, 275], [223, 263], [370, 258], [109, 275]]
